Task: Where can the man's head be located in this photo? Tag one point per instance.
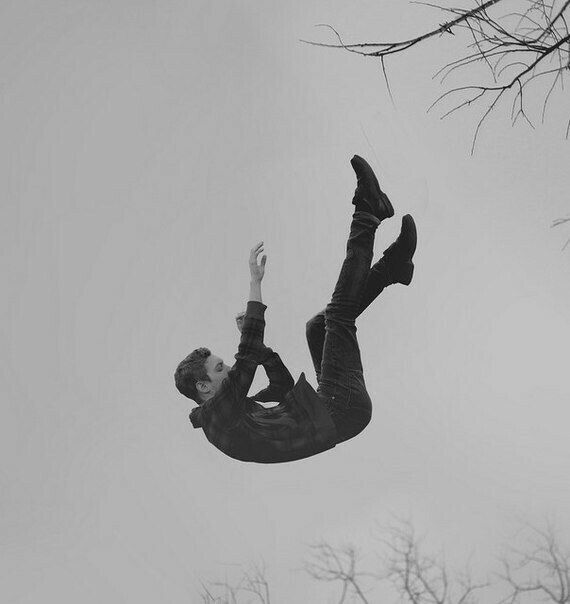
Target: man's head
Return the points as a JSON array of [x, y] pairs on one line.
[[200, 375]]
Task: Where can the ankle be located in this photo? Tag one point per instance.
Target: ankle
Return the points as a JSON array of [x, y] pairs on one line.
[[399, 271]]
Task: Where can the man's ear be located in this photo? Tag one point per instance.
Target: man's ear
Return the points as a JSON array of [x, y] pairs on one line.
[[203, 387]]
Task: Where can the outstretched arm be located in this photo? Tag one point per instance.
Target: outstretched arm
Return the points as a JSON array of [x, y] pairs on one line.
[[253, 324], [229, 401]]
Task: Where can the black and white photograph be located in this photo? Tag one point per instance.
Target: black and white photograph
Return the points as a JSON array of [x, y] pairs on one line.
[[286, 303]]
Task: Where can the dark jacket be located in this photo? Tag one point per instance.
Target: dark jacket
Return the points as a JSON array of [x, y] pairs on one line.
[[299, 426]]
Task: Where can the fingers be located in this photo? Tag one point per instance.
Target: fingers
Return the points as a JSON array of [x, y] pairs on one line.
[[255, 251], [257, 248]]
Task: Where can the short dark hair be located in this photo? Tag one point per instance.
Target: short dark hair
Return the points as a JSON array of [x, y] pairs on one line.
[[191, 370]]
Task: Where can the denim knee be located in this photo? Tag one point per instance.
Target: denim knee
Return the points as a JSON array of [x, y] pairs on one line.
[[315, 325], [341, 313]]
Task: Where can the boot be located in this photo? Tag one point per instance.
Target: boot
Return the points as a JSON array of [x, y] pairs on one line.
[[368, 196], [398, 256]]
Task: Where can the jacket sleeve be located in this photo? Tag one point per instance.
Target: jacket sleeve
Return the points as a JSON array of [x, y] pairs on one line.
[[230, 400], [280, 379]]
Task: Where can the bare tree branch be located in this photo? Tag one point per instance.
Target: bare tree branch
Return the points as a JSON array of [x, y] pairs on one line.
[[539, 571], [558, 222], [420, 578], [542, 567], [337, 565], [515, 46], [252, 581], [392, 47]]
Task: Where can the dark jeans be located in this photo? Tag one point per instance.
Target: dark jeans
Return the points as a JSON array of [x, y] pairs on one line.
[[331, 334]]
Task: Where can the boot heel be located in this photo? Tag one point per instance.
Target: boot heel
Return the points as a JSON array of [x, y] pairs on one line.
[[405, 273]]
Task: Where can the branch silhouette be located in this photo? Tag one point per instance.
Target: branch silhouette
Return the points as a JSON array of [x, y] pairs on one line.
[[518, 47]]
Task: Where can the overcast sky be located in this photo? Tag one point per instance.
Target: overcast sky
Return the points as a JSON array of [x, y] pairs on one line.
[[145, 147]]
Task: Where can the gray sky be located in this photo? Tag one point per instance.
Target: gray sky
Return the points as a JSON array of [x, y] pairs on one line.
[[145, 148]]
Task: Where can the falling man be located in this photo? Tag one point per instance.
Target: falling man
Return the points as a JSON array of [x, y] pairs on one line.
[[305, 421]]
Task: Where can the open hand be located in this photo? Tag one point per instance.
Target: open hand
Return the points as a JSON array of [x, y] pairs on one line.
[[257, 270]]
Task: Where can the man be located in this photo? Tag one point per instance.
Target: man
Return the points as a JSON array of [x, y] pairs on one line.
[[305, 422]]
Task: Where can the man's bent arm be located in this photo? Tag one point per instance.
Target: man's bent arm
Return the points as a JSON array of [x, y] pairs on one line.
[[229, 401], [280, 379], [251, 347]]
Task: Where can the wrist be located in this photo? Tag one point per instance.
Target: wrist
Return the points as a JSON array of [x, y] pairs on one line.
[[256, 310], [255, 291]]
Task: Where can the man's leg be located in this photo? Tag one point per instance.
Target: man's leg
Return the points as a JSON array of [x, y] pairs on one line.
[[391, 268], [376, 281], [315, 331], [341, 381]]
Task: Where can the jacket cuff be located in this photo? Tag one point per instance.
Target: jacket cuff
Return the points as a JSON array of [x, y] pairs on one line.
[[265, 354], [255, 309]]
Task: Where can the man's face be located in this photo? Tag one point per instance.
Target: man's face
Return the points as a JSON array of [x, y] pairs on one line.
[[217, 371]]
